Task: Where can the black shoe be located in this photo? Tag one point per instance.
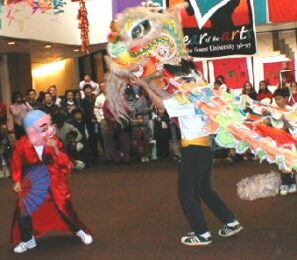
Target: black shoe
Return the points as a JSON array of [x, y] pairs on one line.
[[126, 163], [108, 162], [193, 239]]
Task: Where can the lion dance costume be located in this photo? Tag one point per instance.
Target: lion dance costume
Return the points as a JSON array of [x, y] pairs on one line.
[[148, 43]]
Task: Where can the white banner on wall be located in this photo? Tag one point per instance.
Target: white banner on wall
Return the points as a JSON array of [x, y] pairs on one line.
[[60, 28]]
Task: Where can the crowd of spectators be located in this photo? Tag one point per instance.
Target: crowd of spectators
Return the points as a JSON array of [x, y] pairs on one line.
[[92, 135], [90, 132]]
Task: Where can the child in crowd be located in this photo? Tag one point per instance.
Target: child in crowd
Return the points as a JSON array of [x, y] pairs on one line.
[[79, 123], [216, 85], [281, 98], [162, 133], [220, 83], [76, 151], [142, 136], [77, 120]]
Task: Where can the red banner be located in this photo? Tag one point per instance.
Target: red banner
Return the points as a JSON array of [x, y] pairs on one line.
[[272, 72], [235, 71], [199, 66], [282, 10]]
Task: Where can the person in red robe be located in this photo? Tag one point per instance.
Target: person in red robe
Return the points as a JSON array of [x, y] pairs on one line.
[[42, 147]]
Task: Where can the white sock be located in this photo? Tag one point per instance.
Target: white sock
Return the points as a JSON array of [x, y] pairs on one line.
[[233, 223], [205, 235]]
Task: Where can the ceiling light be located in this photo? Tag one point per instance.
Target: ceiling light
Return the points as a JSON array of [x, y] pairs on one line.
[[76, 50], [11, 43], [48, 46]]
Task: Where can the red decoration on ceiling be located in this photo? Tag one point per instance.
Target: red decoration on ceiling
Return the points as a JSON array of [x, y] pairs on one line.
[[83, 25]]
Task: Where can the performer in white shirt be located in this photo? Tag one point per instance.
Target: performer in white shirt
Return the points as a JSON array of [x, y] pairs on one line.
[[195, 174]]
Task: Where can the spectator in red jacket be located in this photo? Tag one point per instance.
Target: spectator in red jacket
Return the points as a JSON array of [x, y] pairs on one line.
[[264, 92]]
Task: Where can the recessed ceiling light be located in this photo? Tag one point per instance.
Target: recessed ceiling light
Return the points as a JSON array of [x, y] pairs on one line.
[[76, 50], [11, 43], [47, 46]]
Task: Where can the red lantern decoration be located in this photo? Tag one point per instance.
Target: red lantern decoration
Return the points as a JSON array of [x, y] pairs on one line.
[[83, 25]]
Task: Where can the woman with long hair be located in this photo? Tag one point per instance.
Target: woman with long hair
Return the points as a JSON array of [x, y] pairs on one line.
[[248, 89], [77, 97]]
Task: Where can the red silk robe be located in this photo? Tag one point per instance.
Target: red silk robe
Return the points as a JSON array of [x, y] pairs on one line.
[[48, 216]]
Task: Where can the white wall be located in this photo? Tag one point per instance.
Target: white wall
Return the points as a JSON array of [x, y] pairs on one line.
[[266, 54], [61, 28]]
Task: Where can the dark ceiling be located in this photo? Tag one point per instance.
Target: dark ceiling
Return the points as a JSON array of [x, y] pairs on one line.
[[40, 54]]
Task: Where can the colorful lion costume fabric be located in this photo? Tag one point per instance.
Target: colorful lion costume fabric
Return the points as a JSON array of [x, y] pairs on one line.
[[149, 44]]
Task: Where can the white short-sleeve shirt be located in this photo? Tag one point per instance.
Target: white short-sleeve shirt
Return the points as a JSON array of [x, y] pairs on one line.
[[192, 126]]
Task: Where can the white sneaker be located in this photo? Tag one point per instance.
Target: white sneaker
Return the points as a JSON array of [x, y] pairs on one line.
[[192, 239], [146, 159], [283, 190], [293, 188], [24, 246], [84, 237]]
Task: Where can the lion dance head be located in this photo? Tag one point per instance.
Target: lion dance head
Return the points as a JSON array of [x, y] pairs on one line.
[[145, 42]]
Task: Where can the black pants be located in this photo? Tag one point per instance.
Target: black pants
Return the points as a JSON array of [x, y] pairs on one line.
[[19, 131], [194, 185], [93, 139], [163, 147], [288, 178], [26, 226]]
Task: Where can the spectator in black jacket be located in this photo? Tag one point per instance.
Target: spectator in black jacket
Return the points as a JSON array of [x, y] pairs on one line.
[[88, 103], [162, 134]]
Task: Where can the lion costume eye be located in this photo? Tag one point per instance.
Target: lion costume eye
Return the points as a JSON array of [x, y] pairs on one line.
[[140, 29]]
